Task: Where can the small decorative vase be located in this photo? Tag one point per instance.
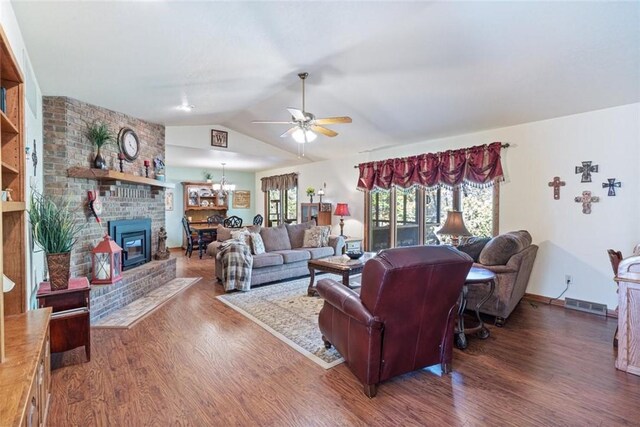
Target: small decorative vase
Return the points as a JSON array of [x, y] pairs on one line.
[[59, 270], [310, 199], [99, 161]]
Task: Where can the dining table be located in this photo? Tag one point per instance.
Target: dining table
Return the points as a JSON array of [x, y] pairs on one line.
[[203, 229]]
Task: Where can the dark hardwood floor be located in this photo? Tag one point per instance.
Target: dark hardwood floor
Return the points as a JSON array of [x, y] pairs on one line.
[[197, 362]]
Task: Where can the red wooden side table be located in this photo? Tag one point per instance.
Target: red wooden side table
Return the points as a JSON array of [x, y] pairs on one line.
[[70, 319]]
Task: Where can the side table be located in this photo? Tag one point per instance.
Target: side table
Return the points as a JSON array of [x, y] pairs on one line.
[[476, 276], [69, 325]]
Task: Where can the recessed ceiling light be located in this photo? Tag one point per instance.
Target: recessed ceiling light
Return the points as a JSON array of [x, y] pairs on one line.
[[186, 107]]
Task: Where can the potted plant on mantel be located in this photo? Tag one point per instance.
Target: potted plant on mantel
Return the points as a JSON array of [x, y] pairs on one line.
[[55, 230], [99, 134]]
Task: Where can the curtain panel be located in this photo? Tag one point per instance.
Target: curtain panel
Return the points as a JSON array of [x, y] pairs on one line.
[[280, 182], [479, 166]]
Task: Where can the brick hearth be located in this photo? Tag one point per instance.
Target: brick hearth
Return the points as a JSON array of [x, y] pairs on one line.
[[134, 284]]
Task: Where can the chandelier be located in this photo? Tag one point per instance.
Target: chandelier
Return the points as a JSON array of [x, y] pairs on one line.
[[224, 185]]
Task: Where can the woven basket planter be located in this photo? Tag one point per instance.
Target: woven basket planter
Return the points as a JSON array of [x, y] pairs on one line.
[[59, 270]]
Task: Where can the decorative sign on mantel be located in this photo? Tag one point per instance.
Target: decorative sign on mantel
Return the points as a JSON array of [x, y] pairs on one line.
[[241, 199]]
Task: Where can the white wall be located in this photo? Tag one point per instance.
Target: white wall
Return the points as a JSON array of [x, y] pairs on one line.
[[242, 181], [33, 132], [570, 241]]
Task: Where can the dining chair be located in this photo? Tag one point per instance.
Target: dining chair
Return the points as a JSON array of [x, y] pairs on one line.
[[233, 222]]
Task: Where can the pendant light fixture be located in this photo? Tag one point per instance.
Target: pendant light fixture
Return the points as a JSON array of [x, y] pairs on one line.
[[224, 185]]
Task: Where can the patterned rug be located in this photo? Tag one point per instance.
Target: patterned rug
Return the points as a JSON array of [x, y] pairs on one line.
[[129, 315], [285, 310]]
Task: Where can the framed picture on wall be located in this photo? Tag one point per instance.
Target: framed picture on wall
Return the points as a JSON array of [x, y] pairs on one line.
[[219, 138], [168, 200], [241, 199]]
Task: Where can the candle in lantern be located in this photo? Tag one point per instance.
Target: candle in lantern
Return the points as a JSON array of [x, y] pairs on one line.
[[120, 156], [147, 163]]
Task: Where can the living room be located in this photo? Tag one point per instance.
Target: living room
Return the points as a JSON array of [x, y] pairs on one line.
[[556, 84]]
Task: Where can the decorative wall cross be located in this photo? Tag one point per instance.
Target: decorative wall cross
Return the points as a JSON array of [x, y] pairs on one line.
[[586, 199], [611, 184], [586, 169], [556, 184]]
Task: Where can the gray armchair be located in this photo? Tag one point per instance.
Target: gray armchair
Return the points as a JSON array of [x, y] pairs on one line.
[[510, 256]]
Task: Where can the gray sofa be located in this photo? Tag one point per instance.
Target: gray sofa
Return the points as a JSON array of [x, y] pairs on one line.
[[285, 257]]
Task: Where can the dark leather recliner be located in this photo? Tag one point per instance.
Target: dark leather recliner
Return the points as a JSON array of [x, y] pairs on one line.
[[404, 317]]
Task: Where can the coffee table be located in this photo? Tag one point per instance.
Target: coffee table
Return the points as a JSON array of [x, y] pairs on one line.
[[341, 265]]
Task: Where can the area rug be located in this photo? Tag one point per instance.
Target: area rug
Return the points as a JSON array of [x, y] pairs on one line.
[[129, 315], [285, 310]]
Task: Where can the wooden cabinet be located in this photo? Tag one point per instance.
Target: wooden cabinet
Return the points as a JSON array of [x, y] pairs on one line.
[[321, 211], [70, 320], [200, 201], [628, 325], [12, 164], [25, 376]]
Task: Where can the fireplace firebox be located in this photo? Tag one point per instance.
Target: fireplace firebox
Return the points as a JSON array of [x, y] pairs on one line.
[[134, 237]]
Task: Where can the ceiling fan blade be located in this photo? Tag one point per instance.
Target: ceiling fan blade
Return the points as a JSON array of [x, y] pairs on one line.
[[323, 130], [332, 120], [297, 114], [289, 132], [272, 122]]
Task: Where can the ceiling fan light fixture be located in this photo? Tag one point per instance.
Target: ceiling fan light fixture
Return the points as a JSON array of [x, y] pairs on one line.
[[299, 134], [186, 107]]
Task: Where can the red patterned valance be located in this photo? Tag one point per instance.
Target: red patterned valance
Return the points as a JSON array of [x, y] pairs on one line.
[[478, 166]]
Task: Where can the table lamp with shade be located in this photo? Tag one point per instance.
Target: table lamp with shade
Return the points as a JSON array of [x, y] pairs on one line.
[[454, 227], [342, 210]]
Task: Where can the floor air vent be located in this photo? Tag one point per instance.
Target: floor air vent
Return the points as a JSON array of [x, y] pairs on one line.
[[586, 306]]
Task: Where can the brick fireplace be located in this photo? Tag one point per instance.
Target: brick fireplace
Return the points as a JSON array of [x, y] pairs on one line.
[[65, 123]]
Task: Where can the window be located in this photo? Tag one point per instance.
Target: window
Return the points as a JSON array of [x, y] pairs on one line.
[[407, 228], [279, 202], [400, 217], [291, 205], [380, 220]]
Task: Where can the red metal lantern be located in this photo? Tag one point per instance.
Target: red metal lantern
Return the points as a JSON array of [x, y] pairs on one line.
[[107, 262]]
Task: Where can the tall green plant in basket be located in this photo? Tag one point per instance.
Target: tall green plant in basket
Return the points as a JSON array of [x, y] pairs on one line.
[[55, 230]]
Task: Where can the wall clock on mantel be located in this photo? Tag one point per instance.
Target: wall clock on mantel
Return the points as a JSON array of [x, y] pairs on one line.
[[129, 144]]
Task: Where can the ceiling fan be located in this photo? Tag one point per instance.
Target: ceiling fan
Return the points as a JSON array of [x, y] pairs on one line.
[[305, 124]]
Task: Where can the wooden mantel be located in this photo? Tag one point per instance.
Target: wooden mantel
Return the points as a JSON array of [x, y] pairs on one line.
[[109, 176]]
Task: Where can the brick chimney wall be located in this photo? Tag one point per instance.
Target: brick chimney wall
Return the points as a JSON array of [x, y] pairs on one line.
[[65, 122]]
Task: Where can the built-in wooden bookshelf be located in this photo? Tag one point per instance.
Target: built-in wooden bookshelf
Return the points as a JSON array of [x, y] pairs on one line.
[[25, 370], [12, 166]]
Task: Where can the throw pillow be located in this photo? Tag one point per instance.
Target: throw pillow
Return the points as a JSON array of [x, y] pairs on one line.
[[257, 245], [275, 238], [296, 233], [253, 228], [325, 230], [312, 238], [501, 248], [223, 233], [473, 246], [242, 235]]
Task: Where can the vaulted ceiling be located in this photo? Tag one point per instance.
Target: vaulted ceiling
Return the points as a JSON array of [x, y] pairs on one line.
[[405, 72]]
